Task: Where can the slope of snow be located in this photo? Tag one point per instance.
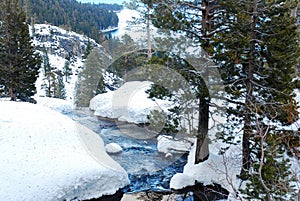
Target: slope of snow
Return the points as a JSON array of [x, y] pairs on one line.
[[46, 156], [59, 105], [129, 103]]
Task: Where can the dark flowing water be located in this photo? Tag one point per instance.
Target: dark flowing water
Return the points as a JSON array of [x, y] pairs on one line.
[[148, 169]]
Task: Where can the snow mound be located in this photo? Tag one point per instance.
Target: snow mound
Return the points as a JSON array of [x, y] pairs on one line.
[[220, 169], [113, 148], [129, 103], [46, 156], [180, 181], [167, 144], [59, 105]]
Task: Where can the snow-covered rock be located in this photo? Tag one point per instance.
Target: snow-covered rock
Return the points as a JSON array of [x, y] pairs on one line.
[[180, 181], [59, 105], [129, 103], [167, 144], [113, 148], [46, 156]]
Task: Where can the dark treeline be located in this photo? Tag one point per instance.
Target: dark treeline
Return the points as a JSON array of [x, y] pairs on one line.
[[84, 18]]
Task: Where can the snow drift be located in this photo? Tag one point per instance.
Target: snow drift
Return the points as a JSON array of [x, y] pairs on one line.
[[46, 156], [129, 103]]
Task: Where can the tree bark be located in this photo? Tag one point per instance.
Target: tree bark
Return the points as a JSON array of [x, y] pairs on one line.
[[246, 149], [12, 94], [202, 150]]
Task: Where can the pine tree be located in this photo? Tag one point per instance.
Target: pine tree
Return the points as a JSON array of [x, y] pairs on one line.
[[19, 64], [145, 8], [200, 20], [87, 50], [271, 175], [89, 77], [67, 71], [257, 54], [61, 91], [49, 76]]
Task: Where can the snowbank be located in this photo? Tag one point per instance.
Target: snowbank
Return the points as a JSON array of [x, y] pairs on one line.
[[59, 105], [167, 144], [180, 181], [46, 156], [128, 103], [217, 169]]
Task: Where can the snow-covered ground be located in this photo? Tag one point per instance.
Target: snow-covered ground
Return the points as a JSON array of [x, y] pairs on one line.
[[44, 155], [59, 105], [128, 103]]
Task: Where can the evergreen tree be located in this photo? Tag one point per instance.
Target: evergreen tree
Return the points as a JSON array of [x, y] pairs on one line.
[[61, 91], [271, 175], [88, 49], [49, 76], [145, 8], [200, 20], [90, 77], [67, 71], [257, 54], [19, 64]]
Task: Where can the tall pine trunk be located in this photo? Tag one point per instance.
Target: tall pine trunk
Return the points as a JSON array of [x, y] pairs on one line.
[[248, 133]]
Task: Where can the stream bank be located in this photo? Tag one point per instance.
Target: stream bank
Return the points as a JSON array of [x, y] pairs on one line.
[[149, 171]]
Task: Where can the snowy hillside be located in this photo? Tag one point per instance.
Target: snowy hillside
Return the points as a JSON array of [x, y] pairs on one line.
[[61, 46]]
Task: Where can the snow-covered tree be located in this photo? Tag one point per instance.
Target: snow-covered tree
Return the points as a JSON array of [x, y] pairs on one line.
[[257, 54]]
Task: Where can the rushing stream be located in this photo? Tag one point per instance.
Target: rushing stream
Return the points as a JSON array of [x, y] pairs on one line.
[[148, 169]]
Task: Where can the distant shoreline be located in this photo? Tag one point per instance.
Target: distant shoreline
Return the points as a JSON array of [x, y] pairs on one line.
[[110, 30]]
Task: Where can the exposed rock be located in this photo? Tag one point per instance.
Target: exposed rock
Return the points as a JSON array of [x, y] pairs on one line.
[[60, 42]]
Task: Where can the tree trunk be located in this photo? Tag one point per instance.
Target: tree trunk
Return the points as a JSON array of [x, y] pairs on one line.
[[246, 149], [148, 35], [12, 94], [202, 150]]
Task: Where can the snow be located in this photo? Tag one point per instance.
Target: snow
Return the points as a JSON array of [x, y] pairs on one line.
[[113, 148], [128, 103], [167, 144], [45, 155], [60, 44], [180, 181], [220, 169], [59, 105]]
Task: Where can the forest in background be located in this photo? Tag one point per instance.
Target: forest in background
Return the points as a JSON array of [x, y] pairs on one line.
[[83, 18]]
